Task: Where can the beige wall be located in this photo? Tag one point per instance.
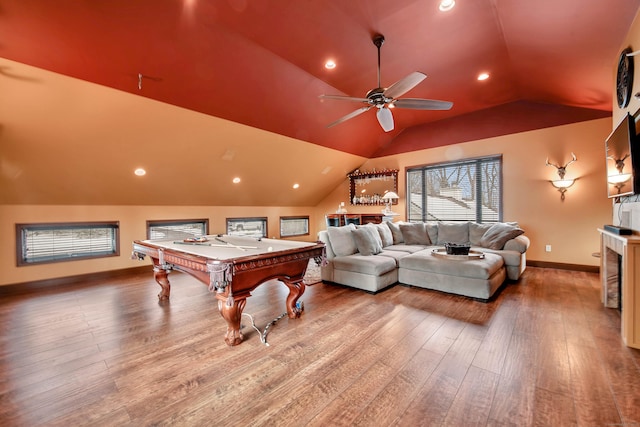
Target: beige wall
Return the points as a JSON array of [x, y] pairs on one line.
[[569, 226], [132, 227]]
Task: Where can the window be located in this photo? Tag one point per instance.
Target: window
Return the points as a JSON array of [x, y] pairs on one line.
[[294, 226], [45, 243], [466, 190], [177, 228], [252, 227]]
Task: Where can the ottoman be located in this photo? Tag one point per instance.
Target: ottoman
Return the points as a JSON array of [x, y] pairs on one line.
[[477, 278]]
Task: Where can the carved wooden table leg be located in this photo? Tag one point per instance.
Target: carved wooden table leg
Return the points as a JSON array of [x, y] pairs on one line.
[[232, 315], [161, 276], [296, 289]]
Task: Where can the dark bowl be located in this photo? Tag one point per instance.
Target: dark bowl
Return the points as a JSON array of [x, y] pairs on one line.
[[457, 248]]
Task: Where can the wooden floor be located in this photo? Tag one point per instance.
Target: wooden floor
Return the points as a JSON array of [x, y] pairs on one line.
[[545, 352]]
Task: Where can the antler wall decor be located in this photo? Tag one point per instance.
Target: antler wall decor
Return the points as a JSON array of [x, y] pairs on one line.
[[562, 184], [562, 169]]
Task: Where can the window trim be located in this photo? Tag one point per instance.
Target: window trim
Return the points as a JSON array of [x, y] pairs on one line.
[[157, 222], [20, 228], [294, 217], [477, 160]]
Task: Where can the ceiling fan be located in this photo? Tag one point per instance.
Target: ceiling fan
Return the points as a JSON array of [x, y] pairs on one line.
[[385, 98]]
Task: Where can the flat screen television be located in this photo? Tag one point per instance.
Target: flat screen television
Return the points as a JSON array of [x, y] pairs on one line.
[[623, 159]]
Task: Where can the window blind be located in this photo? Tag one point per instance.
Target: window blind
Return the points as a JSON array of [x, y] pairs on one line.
[[465, 190], [42, 243], [177, 229], [294, 226]]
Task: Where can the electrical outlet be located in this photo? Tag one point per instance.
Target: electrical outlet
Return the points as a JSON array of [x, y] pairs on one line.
[[547, 248]]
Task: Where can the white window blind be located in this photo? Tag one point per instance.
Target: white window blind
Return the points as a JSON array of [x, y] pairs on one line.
[[177, 229], [466, 190], [294, 226], [43, 243]]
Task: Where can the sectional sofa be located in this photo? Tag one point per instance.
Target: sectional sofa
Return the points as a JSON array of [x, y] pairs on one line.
[[373, 257]]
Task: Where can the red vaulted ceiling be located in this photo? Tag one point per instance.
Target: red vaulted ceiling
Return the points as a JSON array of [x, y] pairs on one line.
[[261, 62]]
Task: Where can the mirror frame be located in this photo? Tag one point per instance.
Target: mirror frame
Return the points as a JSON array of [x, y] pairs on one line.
[[357, 178]]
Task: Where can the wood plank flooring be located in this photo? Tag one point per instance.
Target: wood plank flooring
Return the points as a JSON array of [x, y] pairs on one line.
[[544, 353]]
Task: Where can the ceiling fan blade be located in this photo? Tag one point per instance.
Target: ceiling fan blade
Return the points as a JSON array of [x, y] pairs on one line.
[[349, 116], [345, 98], [385, 118], [422, 104], [404, 85]]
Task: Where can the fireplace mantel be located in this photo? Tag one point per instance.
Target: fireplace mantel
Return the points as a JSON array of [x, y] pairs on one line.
[[628, 247]]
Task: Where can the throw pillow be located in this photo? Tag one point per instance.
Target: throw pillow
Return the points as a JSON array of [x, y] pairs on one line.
[[432, 231], [341, 240], [415, 233], [375, 234], [395, 232], [499, 234], [453, 232], [476, 231], [367, 240], [385, 234]]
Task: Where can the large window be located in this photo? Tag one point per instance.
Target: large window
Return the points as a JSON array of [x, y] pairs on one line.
[[177, 228], [466, 190], [44, 243]]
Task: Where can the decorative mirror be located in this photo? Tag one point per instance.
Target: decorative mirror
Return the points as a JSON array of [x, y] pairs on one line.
[[368, 188]]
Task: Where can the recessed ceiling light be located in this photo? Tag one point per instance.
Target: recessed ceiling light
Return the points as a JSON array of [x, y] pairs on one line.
[[446, 5], [483, 76], [296, 185], [236, 180], [330, 64], [140, 172]]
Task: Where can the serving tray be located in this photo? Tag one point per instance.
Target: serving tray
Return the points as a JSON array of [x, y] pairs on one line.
[[442, 253]]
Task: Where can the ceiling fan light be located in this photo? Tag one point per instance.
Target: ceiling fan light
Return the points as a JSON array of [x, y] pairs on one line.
[[385, 118]]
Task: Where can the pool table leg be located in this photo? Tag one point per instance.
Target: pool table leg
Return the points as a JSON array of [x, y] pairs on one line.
[[232, 315], [162, 278], [296, 289]]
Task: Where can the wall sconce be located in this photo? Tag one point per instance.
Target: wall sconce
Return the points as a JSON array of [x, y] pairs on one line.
[[562, 184], [389, 197]]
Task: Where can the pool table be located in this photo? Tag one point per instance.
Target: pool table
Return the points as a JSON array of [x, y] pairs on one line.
[[232, 267]]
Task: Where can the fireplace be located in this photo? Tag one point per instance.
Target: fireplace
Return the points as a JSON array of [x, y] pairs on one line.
[[612, 279], [620, 278]]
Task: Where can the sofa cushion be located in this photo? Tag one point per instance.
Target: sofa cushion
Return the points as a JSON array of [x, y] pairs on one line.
[[342, 241], [510, 258], [499, 233], [476, 231], [394, 227], [415, 233], [432, 231], [425, 261], [367, 240], [405, 248], [375, 265], [385, 234], [394, 254], [453, 232]]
